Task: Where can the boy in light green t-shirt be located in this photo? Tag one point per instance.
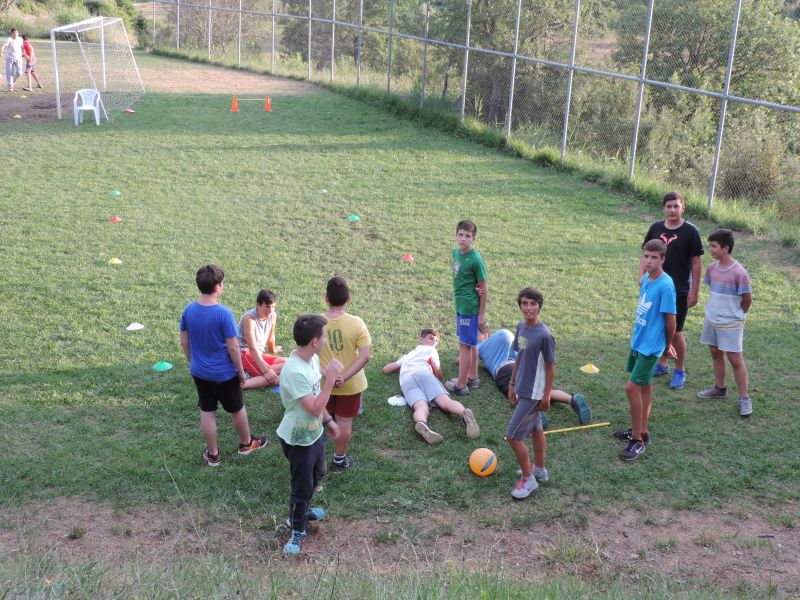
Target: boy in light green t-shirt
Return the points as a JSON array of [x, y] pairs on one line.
[[304, 419]]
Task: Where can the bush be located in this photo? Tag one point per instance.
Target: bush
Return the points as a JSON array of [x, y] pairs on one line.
[[753, 169]]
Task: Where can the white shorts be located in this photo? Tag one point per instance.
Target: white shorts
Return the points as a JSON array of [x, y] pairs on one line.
[[727, 339], [422, 386]]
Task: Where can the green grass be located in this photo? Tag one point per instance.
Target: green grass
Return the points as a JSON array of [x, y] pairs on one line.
[[266, 196]]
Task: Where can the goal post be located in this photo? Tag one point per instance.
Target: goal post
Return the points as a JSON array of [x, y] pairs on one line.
[[95, 53]]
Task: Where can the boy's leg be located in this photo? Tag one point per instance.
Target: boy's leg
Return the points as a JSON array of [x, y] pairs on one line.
[[720, 370], [242, 425], [520, 449], [208, 425], [560, 396], [539, 448], [448, 405], [679, 343], [647, 404], [421, 411], [345, 434], [739, 372], [464, 364], [473, 369], [304, 470], [634, 393]]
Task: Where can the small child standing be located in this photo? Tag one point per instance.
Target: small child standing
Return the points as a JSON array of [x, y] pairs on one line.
[[304, 419], [208, 339], [30, 63], [726, 310], [529, 391], [348, 340], [470, 294]]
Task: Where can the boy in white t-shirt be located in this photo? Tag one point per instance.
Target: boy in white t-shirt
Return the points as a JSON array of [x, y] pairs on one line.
[[12, 50], [420, 381]]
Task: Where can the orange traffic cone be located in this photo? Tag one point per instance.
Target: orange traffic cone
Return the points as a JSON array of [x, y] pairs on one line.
[[267, 106], [235, 105]]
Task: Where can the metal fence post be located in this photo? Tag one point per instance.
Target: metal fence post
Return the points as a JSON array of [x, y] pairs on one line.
[[333, 38], [569, 78], [424, 56], [154, 24], [513, 71], [358, 46], [178, 27], [640, 99], [309, 41], [272, 44], [731, 52], [239, 38], [209, 29], [466, 59], [389, 63]]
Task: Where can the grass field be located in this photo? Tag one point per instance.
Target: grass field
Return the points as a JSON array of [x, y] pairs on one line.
[[267, 196]]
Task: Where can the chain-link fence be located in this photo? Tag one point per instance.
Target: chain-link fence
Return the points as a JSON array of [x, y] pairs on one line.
[[701, 95]]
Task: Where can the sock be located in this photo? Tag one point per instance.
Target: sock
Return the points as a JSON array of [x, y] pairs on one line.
[[337, 458], [721, 389]]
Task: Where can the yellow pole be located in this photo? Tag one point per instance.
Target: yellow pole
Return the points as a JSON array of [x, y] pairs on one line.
[[592, 426]]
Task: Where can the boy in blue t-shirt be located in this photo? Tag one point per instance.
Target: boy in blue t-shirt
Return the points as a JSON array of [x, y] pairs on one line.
[[653, 331], [208, 339]]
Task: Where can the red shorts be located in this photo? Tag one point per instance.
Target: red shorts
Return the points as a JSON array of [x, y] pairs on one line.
[[250, 365], [344, 406]]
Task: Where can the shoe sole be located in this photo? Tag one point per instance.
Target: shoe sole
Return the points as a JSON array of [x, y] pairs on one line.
[[473, 430], [583, 411], [428, 434]]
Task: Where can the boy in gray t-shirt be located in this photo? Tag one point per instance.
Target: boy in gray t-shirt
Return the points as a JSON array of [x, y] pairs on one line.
[[529, 391]]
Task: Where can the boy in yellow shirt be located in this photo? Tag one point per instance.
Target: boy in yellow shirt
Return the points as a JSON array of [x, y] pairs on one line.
[[349, 342]]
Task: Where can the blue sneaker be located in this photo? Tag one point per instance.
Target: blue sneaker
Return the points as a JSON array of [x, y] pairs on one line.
[[678, 379], [313, 514], [660, 370], [578, 404], [295, 543]]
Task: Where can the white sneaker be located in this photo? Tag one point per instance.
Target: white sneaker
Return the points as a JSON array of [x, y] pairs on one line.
[[540, 474], [745, 406], [471, 424], [524, 488]]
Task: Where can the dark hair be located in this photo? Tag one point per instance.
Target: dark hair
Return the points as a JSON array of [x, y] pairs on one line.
[[467, 226], [655, 246], [337, 291], [208, 276], [26, 37], [531, 294], [265, 297], [425, 332], [671, 196], [308, 327], [12, 30], [724, 237]]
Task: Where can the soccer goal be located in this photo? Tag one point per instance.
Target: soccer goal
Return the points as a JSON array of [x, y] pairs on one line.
[[95, 53]]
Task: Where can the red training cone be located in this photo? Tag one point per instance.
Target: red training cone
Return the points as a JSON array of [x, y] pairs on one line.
[[267, 106], [235, 105]]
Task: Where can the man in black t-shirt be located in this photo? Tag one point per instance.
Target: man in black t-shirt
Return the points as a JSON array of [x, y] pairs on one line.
[[684, 249]]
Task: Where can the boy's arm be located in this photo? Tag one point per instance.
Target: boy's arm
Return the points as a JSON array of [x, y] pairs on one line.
[[549, 378], [364, 354], [248, 328], [437, 371], [483, 296], [187, 351], [315, 405], [512, 394], [669, 326], [747, 300], [232, 345], [693, 292], [391, 367], [271, 347]]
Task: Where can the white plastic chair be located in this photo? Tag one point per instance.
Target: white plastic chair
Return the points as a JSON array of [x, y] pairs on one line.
[[86, 100]]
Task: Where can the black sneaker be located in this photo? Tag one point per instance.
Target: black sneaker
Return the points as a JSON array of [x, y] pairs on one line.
[[343, 465], [627, 435], [633, 450], [211, 459]]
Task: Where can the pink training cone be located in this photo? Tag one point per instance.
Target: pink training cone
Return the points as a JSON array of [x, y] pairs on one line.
[[115, 219], [408, 258]]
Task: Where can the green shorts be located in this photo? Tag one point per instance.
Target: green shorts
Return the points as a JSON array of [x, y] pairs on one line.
[[641, 367]]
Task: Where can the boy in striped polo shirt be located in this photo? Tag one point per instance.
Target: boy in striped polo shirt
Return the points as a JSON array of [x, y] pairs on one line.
[[723, 330]]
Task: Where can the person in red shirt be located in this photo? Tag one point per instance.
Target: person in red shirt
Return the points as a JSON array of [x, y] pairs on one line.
[[30, 62]]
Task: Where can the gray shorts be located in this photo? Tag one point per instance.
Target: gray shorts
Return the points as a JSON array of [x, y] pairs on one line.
[[422, 386], [726, 339], [526, 419]]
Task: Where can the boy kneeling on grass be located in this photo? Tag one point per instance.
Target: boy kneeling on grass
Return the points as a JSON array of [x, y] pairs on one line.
[[304, 419], [420, 381]]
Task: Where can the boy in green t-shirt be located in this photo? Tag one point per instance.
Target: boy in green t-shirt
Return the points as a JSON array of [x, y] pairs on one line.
[[470, 293], [304, 419]]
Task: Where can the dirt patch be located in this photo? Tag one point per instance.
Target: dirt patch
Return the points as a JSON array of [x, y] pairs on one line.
[[725, 548], [170, 76]]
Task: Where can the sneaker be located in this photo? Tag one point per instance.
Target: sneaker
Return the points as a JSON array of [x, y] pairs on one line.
[[428, 434], [745, 406], [678, 379], [471, 424], [633, 450], [540, 474], [660, 370], [211, 459], [27, 89], [578, 404], [452, 386], [713, 392], [314, 514], [524, 488], [627, 435], [295, 543], [474, 383], [342, 465], [256, 443]]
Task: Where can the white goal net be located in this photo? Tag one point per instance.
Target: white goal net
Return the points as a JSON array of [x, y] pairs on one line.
[[95, 54]]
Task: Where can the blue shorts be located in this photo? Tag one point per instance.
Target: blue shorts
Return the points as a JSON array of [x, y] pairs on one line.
[[467, 329], [526, 419]]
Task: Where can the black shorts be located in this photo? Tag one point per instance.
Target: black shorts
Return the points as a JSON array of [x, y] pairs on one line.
[[681, 301], [503, 377], [228, 393]]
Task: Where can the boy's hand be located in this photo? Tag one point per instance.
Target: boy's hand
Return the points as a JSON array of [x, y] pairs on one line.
[[512, 395], [332, 429], [671, 352], [242, 378], [480, 290], [544, 403], [333, 370], [339, 381], [278, 349], [271, 377]]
